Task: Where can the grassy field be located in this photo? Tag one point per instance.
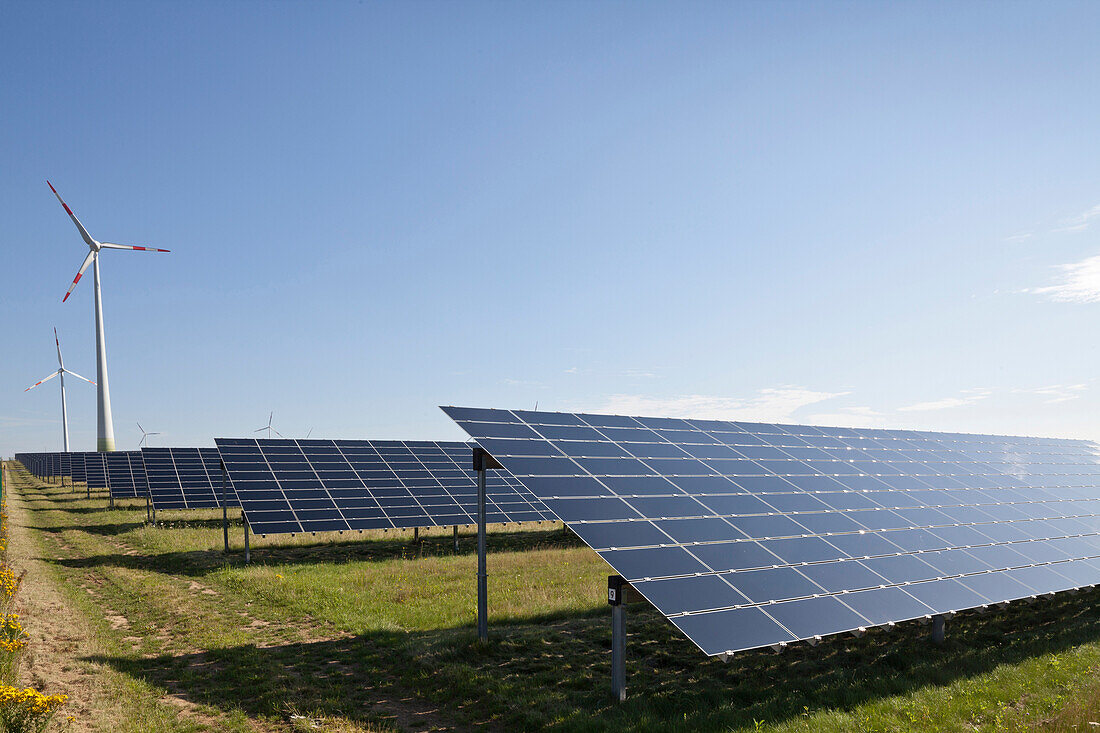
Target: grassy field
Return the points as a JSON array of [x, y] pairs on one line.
[[373, 632]]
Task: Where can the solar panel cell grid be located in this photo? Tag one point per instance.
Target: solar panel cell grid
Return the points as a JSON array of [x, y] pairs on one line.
[[288, 486], [899, 523], [186, 478]]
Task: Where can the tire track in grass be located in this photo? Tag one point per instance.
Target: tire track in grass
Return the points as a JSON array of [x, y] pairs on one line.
[[184, 629], [62, 640]]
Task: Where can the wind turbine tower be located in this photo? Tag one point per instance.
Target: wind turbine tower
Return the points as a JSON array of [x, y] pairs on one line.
[[105, 435], [61, 372]]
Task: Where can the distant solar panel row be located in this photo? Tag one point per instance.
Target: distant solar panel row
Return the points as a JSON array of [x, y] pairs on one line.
[[749, 535], [185, 478], [288, 486]]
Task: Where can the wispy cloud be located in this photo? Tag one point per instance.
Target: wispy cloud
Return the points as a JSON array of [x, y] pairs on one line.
[[523, 383], [1021, 237], [966, 397], [1079, 282], [850, 417], [774, 404], [1056, 392], [1079, 222]]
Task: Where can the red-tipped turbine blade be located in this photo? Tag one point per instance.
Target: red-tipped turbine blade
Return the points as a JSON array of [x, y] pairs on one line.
[[83, 267], [83, 232]]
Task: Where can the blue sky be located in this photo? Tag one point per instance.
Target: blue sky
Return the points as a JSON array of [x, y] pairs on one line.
[[875, 214]]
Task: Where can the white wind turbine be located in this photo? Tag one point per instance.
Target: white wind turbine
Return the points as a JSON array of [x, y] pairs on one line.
[[61, 372], [268, 427], [105, 435], [144, 435]]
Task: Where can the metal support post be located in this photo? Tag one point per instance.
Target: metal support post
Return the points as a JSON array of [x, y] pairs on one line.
[[616, 589], [148, 507], [482, 574], [416, 534], [938, 623], [225, 508], [247, 552], [482, 462], [456, 538]]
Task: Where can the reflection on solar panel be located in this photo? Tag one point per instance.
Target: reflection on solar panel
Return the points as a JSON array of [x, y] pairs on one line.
[[325, 485], [126, 474], [185, 478], [748, 535]]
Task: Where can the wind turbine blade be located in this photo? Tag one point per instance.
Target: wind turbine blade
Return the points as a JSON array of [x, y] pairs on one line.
[[83, 232], [70, 371], [260, 430], [42, 381], [79, 274], [110, 245], [277, 433], [140, 428], [152, 433], [60, 363]]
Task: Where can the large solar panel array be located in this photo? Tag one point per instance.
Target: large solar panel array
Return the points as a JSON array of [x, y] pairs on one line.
[[289, 486], [748, 535], [185, 478], [126, 475], [35, 463]]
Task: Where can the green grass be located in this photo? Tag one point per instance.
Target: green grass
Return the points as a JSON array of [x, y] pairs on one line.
[[373, 632]]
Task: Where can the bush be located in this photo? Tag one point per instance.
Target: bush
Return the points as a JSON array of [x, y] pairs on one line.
[[27, 710], [13, 642]]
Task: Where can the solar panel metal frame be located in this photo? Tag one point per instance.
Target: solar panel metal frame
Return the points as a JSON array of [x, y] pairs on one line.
[[186, 478], [288, 486], [749, 535]]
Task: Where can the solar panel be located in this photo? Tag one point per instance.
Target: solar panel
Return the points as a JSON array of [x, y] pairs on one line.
[[185, 478], [76, 462], [65, 464], [126, 475], [748, 535], [95, 470], [288, 486]]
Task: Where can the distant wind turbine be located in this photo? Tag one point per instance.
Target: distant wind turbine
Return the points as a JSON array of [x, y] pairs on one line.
[[144, 435], [105, 435], [268, 427], [61, 372]]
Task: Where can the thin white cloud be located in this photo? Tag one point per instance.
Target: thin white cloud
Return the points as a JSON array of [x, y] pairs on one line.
[[637, 374], [1080, 222], [850, 417], [1056, 392], [1079, 283], [1021, 237], [523, 383], [572, 370], [774, 404], [967, 397]]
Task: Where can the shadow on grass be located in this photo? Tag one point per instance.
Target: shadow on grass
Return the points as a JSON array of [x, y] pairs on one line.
[[200, 562], [557, 675]]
